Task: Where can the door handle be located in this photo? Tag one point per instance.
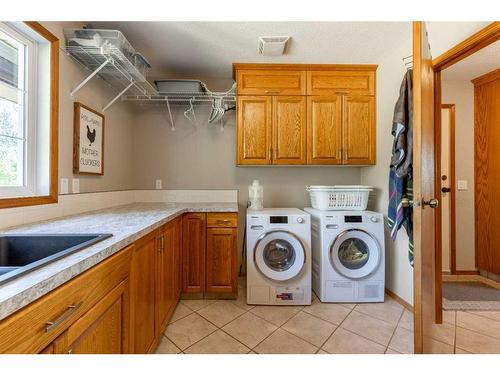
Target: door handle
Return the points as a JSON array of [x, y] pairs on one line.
[[445, 189], [405, 202], [432, 203]]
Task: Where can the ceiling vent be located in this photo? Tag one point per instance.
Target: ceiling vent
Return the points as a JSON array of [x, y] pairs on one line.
[[272, 45]]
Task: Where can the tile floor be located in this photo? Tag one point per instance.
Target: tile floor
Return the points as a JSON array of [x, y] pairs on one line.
[[225, 327], [211, 326]]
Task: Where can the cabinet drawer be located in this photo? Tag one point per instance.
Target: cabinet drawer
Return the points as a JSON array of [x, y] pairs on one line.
[[340, 82], [222, 219], [271, 82], [29, 330]]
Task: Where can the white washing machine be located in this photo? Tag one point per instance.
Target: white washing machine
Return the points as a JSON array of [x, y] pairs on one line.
[[348, 254], [278, 257]]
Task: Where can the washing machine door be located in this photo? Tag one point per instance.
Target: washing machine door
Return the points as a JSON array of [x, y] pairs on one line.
[[279, 255], [355, 254]]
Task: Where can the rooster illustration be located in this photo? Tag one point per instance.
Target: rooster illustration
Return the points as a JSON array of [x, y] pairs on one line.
[[90, 135]]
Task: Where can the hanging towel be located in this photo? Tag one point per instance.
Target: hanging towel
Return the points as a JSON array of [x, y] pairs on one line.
[[400, 174]]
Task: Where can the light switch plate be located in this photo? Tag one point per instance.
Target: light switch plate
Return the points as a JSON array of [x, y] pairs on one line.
[[462, 185], [76, 185], [158, 184], [64, 186]]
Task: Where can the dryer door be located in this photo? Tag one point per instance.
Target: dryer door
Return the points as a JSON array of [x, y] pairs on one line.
[[279, 255], [355, 254]]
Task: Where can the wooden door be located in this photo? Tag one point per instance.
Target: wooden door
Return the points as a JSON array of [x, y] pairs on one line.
[[289, 130], [487, 170], [359, 130], [143, 280], [104, 328], [254, 122], [324, 129], [222, 260], [193, 252], [423, 189]]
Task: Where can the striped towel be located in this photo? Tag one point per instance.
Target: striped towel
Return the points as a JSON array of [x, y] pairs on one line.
[[401, 171]]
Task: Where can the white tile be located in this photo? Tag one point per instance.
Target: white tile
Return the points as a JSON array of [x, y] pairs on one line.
[[11, 219]]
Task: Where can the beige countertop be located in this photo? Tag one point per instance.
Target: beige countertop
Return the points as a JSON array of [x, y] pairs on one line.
[[126, 223]]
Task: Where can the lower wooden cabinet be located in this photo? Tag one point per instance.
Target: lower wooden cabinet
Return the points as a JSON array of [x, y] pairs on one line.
[[124, 304], [193, 252], [104, 328], [210, 253], [221, 260], [168, 264], [143, 276]]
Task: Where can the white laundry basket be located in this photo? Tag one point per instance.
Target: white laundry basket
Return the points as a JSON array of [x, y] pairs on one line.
[[339, 197]]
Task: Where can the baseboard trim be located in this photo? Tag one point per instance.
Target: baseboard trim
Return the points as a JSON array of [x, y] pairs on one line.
[[398, 299], [466, 272]]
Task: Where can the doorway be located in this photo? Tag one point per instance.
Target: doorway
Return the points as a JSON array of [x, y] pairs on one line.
[[430, 331], [446, 164]]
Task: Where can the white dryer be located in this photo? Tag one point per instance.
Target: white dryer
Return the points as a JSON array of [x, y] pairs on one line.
[[348, 255], [278, 257]]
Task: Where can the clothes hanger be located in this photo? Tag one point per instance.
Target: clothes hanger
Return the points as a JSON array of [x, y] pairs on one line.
[[189, 113]]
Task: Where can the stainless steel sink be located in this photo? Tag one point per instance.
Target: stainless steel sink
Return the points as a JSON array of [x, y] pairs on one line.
[[22, 253]]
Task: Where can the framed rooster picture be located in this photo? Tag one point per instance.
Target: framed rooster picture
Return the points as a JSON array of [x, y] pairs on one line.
[[88, 140]]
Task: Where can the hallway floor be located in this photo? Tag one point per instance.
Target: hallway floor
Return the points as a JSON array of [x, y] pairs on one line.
[[225, 327], [465, 332]]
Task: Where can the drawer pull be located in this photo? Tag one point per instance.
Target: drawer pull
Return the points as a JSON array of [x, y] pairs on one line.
[[68, 313], [272, 91], [225, 221]]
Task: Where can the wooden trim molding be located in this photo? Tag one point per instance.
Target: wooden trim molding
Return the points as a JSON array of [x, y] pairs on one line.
[[466, 272], [54, 126], [486, 78], [474, 43], [398, 299], [303, 67]]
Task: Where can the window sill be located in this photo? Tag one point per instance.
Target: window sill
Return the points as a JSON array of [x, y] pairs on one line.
[[27, 201]]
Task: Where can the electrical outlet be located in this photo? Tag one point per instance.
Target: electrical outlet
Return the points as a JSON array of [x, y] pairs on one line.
[[64, 186], [76, 185], [462, 184], [158, 184]]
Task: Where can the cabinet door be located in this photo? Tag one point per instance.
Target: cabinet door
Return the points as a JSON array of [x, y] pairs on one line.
[[193, 252], [359, 130], [177, 249], [324, 129], [271, 82], [165, 270], [254, 130], [143, 279], [104, 328], [221, 260], [350, 82], [289, 130]]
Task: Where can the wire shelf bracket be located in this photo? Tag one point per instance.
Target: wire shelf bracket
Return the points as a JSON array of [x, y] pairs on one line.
[[110, 64]]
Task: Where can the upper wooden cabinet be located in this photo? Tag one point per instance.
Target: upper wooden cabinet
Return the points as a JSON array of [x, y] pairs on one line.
[[305, 114], [324, 129], [359, 130], [271, 82], [254, 129], [289, 130], [341, 82]]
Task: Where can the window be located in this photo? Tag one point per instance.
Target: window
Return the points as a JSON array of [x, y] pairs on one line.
[[17, 113], [28, 114]]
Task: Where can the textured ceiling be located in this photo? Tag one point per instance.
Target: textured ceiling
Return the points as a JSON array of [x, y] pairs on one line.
[[475, 65], [208, 49]]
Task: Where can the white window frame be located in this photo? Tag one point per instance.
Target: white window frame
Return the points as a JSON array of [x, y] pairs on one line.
[[29, 183]]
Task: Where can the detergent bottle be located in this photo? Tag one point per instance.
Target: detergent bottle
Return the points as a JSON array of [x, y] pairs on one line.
[[255, 196]]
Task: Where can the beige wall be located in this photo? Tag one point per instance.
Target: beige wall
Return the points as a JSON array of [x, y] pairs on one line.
[[399, 273], [118, 156], [461, 93]]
